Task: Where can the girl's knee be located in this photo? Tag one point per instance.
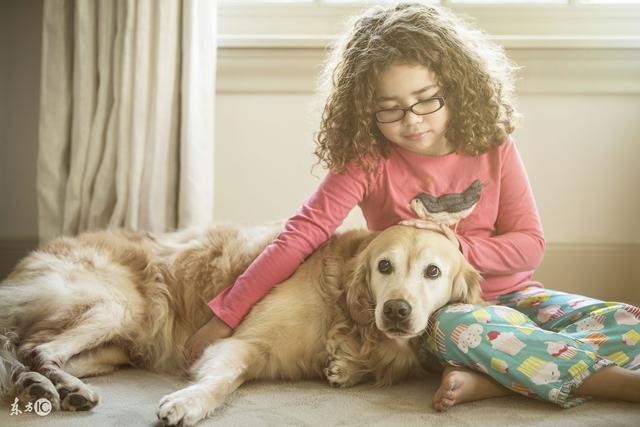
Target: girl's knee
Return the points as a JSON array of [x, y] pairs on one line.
[[455, 313], [627, 314], [472, 331], [458, 322]]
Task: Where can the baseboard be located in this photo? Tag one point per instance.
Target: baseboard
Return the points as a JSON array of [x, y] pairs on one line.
[[608, 272]]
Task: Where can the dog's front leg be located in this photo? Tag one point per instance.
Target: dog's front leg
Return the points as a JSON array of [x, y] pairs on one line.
[[343, 369], [218, 372]]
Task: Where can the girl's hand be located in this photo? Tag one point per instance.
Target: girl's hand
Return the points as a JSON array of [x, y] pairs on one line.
[[428, 225], [210, 332]]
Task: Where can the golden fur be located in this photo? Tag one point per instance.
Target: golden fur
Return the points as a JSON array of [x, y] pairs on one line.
[[84, 306]]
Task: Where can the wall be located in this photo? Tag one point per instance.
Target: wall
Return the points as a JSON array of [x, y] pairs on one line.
[[582, 164], [581, 151], [20, 38], [20, 79], [4, 53]]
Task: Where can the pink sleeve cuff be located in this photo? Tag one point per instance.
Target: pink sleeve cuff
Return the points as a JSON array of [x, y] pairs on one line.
[[217, 306]]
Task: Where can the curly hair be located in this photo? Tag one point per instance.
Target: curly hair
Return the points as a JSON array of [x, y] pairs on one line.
[[475, 74]]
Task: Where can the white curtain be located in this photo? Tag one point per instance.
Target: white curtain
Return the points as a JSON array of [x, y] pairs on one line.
[[126, 115]]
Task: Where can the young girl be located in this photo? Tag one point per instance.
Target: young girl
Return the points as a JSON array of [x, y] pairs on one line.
[[421, 103]]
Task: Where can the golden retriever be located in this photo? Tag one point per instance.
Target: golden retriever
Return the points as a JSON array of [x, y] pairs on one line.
[[352, 312]]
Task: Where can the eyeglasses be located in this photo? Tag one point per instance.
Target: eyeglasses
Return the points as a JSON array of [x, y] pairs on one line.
[[421, 108]]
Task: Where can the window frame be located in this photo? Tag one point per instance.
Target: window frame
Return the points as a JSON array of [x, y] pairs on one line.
[[570, 48], [314, 24]]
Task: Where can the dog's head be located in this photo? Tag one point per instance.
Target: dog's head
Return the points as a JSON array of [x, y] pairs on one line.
[[403, 275]]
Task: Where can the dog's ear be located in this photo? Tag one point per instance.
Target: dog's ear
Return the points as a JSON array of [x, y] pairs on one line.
[[466, 284], [359, 299]]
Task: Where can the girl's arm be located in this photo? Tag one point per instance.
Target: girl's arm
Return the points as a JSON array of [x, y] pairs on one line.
[[303, 233], [518, 242]]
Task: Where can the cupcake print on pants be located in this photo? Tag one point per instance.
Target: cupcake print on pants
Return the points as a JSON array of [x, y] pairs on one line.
[[505, 342], [631, 337], [467, 336], [624, 317], [561, 349], [549, 313], [595, 340], [539, 371], [511, 316], [499, 365], [482, 315]]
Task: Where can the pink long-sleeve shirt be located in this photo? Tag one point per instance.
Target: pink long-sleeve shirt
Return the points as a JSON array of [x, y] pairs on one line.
[[502, 237]]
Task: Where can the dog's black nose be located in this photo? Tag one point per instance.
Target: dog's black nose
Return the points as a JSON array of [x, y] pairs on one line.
[[396, 309]]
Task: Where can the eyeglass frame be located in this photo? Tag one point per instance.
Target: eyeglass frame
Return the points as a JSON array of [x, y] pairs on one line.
[[441, 100]]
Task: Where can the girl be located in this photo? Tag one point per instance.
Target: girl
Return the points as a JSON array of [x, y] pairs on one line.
[[421, 103]]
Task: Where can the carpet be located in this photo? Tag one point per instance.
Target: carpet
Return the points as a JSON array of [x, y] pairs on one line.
[[129, 398]]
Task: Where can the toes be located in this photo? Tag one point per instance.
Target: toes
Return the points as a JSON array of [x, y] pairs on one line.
[[171, 414], [36, 391], [339, 373], [184, 408], [33, 386], [77, 398], [444, 404], [65, 391], [445, 399]]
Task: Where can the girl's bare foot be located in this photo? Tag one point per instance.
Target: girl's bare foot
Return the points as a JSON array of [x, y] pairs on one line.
[[461, 385]]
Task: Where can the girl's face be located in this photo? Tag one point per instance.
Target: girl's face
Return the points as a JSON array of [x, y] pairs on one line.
[[401, 86]]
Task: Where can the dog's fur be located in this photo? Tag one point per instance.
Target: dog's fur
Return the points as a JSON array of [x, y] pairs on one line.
[[84, 306]]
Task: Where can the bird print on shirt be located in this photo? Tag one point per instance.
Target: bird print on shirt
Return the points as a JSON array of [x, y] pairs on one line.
[[448, 209]]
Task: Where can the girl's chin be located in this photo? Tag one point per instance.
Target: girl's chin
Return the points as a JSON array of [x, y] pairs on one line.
[[423, 148], [427, 147]]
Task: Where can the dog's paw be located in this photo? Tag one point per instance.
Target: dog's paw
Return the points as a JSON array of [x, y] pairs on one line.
[[77, 397], [340, 373], [32, 386], [184, 407]]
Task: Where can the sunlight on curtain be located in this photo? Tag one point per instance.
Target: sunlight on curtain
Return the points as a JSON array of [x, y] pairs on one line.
[[126, 115]]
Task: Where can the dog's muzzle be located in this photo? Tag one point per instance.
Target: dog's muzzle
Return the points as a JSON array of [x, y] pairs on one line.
[[396, 310], [396, 316]]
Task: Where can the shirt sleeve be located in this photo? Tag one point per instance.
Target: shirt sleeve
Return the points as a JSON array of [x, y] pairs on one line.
[[517, 244], [313, 224]]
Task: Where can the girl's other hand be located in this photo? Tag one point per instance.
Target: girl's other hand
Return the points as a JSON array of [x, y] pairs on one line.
[[428, 225], [210, 332]]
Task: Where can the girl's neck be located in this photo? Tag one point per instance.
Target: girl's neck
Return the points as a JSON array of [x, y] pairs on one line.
[[438, 151]]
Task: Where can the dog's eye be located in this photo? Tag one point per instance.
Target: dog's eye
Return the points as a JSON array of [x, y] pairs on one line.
[[432, 272], [385, 267]]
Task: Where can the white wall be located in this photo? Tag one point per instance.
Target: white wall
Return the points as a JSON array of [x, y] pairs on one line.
[[582, 154]]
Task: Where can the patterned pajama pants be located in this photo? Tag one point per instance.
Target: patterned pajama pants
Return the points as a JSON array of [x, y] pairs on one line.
[[536, 342]]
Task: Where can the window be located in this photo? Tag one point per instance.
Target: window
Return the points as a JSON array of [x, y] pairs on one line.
[[307, 23], [563, 46]]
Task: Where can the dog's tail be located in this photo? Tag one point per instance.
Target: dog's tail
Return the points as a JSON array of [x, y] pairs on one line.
[[10, 366]]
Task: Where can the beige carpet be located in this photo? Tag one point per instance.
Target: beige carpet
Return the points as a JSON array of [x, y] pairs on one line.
[[129, 398]]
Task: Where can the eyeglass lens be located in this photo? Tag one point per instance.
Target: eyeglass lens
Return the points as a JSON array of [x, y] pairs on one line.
[[427, 106]]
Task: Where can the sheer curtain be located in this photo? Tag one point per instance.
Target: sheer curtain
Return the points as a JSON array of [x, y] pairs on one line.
[[126, 115]]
